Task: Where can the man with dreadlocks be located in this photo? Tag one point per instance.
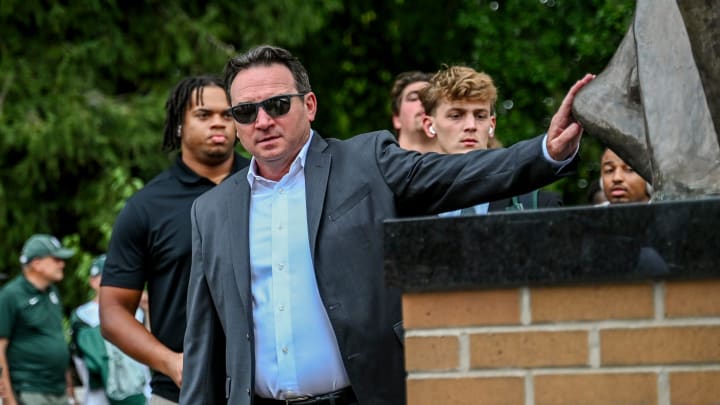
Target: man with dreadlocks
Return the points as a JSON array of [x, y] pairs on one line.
[[151, 240]]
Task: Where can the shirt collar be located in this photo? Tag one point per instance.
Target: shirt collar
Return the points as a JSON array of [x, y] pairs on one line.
[[299, 162]]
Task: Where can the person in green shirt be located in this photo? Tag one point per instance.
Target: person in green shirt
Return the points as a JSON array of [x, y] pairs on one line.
[[34, 354]]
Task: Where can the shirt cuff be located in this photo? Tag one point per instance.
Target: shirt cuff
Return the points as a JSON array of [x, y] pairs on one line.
[[559, 164]]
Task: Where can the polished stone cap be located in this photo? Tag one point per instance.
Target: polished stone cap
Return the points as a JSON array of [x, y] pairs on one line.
[[575, 245]]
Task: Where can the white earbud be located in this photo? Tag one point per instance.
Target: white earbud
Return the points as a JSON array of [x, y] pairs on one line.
[[491, 130], [432, 130], [179, 132]]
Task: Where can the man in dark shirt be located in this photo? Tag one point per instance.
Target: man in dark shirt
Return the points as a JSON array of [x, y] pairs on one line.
[[151, 237], [408, 112], [619, 182]]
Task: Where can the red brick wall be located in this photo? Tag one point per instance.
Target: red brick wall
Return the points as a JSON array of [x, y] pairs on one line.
[[654, 343]]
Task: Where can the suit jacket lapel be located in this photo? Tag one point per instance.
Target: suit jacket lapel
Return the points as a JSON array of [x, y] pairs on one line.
[[317, 171], [237, 213]]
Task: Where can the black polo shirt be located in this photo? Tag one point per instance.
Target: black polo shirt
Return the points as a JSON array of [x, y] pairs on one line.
[[151, 242]]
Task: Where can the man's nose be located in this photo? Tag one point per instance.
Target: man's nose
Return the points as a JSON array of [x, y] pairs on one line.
[[469, 123], [219, 120], [263, 119]]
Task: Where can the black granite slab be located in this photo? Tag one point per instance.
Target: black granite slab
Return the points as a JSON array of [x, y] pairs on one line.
[[572, 245]]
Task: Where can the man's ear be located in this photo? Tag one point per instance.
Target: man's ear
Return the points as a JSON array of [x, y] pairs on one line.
[[311, 106], [427, 124], [396, 122]]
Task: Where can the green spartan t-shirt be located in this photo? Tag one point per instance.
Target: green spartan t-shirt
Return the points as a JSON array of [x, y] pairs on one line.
[[37, 352]]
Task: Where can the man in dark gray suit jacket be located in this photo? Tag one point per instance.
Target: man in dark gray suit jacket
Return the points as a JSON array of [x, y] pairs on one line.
[[287, 299]]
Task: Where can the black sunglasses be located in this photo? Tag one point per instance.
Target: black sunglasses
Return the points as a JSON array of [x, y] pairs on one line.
[[276, 106]]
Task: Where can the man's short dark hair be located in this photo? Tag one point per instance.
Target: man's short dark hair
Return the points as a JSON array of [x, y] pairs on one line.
[[266, 55], [179, 101], [403, 80]]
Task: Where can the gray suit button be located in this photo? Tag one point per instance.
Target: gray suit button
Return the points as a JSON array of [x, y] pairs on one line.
[[247, 336]]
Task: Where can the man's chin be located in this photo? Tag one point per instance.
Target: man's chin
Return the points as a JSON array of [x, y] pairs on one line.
[[217, 156], [463, 150]]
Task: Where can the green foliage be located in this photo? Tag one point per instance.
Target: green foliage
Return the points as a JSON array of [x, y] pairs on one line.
[[354, 59], [83, 86], [535, 51], [82, 93]]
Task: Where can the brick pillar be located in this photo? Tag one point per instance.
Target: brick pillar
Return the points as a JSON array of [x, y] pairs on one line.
[[634, 343]]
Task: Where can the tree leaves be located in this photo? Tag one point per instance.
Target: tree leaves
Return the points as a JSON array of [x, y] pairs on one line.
[[83, 85]]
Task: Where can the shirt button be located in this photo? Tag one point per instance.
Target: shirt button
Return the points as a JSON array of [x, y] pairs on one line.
[[281, 267], [282, 190], [285, 349], [281, 307]]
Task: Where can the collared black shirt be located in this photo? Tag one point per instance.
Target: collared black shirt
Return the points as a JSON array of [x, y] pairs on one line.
[[151, 243]]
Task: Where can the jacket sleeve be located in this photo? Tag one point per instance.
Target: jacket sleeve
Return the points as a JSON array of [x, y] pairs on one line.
[[204, 374], [430, 183]]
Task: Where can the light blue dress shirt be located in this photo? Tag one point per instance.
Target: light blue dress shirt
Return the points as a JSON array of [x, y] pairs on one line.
[[480, 209], [296, 353]]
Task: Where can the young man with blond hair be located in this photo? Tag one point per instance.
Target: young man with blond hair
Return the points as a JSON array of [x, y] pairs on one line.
[[459, 103]]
